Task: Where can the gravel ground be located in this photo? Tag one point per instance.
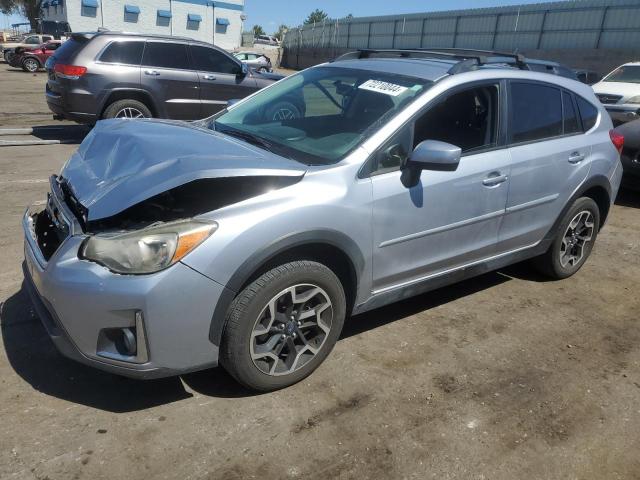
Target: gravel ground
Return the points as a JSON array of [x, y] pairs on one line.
[[505, 376]]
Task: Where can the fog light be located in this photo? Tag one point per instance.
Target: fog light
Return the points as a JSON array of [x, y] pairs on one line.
[[129, 342], [124, 344]]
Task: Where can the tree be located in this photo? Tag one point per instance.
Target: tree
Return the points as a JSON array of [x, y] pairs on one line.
[[317, 16], [282, 29], [27, 8], [257, 30]]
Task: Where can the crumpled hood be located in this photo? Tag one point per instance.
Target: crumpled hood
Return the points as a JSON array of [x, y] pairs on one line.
[[123, 162]]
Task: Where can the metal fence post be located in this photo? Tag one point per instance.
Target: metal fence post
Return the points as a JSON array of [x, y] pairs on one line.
[[424, 22], [602, 24], [495, 31], [544, 20], [393, 39], [455, 31], [369, 35]]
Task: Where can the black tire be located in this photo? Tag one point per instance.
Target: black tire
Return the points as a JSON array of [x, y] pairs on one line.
[[283, 110], [263, 70], [30, 65], [246, 309], [113, 110], [551, 262], [7, 57]]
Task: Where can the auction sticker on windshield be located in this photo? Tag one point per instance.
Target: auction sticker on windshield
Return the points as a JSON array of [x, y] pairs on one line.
[[383, 87]]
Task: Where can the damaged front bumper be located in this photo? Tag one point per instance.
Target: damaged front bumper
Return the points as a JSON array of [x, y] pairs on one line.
[[84, 306]]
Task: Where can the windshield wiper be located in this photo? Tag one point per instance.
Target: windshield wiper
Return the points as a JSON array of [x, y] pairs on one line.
[[251, 138]]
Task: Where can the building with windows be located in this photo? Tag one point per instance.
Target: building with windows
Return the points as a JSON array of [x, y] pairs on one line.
[[215, 22]]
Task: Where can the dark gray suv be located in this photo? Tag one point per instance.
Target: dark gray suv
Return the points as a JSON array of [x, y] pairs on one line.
[[112, 74]]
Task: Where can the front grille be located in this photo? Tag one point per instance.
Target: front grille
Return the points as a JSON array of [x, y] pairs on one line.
[[608, 99], [50, 229]]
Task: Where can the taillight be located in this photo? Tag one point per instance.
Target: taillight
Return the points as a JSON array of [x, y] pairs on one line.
[[617, 139], [69, 71]]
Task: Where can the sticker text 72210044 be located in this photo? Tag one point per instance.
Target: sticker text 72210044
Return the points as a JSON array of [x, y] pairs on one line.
[[383, 87]]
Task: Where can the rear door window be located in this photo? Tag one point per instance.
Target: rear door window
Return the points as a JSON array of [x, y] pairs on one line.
[[208, 59], [166, 55], [128, 53], [588, 112], [535, 112], [571, 120]]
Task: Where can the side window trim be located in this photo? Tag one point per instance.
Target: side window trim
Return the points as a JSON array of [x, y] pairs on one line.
[[366, 171]]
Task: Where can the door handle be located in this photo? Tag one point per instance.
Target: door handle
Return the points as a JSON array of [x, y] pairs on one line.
[[492, 181], [576, 157], [209, 77], [151, 72]]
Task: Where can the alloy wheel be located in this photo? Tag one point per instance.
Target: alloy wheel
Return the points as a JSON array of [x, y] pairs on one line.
[[291, 329], [31, 65], [129, 112], [283, 114], [578, 235]]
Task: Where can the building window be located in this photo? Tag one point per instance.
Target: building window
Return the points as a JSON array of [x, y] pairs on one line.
[[89, 8], [164, 18], [131, 13], [221, 25], [193, 21]]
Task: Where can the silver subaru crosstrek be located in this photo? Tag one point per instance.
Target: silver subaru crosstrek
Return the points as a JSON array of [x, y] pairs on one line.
[[246, 239]]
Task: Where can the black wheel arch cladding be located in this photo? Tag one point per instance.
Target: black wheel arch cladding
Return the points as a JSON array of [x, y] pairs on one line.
[[258, 260]]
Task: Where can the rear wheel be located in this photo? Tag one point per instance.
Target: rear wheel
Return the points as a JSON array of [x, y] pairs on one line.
[[127, 109], [30, 65], [574, 242], [283, 325]]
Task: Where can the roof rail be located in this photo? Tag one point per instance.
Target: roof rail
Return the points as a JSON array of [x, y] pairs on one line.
[[468, 59]]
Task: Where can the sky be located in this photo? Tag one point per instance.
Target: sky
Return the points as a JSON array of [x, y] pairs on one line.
[[271, 13]]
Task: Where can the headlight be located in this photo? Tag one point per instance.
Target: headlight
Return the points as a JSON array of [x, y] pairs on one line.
[[148, 250], [635, 99]]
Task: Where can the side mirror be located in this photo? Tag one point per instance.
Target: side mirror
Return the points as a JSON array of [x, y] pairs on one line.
[[243, 70], [430, 155]]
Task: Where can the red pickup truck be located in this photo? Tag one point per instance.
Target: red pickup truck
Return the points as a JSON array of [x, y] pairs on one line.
[[30, 60]]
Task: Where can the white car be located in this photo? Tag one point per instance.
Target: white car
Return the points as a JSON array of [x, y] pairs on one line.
[[619, 92], [266, 40]]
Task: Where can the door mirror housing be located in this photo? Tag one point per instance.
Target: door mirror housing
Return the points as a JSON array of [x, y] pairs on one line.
[[243, 70], [430, 155]]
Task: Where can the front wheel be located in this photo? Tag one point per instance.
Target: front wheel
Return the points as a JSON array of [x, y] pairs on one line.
[[283, 325], [574, 241]]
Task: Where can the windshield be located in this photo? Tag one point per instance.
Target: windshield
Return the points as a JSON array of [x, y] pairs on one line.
[[626, 74], [320, 115]]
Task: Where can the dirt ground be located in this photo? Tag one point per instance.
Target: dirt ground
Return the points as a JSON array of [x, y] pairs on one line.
[[505, 376]]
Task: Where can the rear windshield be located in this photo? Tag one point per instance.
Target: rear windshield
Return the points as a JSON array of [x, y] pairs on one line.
[[68, 49]]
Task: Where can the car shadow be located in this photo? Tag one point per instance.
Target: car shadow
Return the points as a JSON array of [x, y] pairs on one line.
[[70, 134], [34, 358], [629, 197]]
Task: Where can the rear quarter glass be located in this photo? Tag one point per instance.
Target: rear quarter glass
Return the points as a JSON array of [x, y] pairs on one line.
[[68, 50]]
